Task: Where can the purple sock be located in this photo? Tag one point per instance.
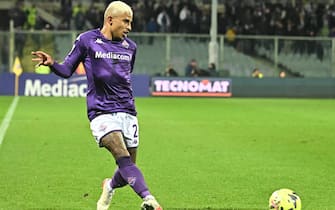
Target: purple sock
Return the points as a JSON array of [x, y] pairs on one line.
[[133, 176], [117, 180]]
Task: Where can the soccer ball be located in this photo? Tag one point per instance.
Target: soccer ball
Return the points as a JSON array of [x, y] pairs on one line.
[[284, 199]]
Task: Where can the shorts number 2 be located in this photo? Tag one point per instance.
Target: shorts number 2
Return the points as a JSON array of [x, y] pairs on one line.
[[135, 131]]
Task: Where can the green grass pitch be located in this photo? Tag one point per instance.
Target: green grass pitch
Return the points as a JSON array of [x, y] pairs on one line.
[[195, 153]]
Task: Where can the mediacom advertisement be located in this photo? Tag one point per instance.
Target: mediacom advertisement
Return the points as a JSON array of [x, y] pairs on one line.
[[47, 85], [194, 87], [50, 86]]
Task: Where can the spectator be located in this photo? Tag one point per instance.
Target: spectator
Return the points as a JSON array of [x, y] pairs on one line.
[[231, 35], [192, 66], [173, 12], [151, 27], [94, 16], [31, 17], [184, 19], [79, 17], [66, 12], [140, 22], [18, 15], [205, 23], [170, 72], [212, 70], [195, 18], [163, 21], [256, 73]]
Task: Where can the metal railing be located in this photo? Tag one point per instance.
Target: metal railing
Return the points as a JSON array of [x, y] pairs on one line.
[[237, 56]]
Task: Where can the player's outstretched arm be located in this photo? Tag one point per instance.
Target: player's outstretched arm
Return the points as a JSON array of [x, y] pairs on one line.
[[42, 58], [45, 59]]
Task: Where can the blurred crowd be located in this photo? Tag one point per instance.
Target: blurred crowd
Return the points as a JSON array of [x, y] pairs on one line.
[[305, 18], [265, 18]]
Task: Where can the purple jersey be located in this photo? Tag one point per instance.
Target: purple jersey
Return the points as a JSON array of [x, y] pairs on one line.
[[108, 66]]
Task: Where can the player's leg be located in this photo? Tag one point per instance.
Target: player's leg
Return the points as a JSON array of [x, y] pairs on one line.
[[128, 173], [117, 181], [128, 170], [131, 135], [115, 142], [101, 126]]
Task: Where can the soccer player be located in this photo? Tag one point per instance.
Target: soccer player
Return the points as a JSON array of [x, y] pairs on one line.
[[108, 57]]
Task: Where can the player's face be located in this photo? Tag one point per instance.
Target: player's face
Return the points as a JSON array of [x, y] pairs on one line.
[[121, 26]]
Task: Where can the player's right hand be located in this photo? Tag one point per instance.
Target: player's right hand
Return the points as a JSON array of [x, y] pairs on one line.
[[42, 58]]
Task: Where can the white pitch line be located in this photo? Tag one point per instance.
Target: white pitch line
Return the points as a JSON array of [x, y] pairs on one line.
[[6, 121]]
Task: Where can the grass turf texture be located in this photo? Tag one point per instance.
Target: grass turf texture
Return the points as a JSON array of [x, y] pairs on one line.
[[194, 153]]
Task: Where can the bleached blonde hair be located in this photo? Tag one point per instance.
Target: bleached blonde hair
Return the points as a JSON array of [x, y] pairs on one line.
[[117, 8]]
